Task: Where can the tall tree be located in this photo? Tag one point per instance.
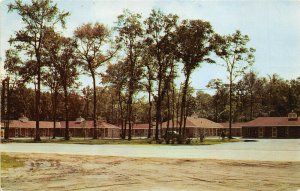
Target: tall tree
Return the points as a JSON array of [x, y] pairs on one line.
[[37, 16], [50, 79], [219, 99], [61, 52], [116, 77], [12, 66], [159, 35], [148, 75], [129, 27], [237, 56], [193, 38], [248, 86], [92, 40]]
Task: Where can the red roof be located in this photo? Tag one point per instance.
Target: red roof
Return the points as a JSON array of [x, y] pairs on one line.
[[197, 123], [272, 121], [141, 126], [76, 124], [233, 125], [62, 124], [107, 126], [88, 124], [31, 124]]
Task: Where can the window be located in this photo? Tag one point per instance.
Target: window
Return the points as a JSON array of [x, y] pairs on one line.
[[274, 132]]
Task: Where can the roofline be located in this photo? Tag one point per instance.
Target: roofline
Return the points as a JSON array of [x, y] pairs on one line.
[[273, 126]]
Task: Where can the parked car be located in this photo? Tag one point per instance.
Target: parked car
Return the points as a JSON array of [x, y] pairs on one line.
[[172, 136]]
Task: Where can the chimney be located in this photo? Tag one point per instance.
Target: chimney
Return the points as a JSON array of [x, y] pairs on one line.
[[23, 119], [79, 120], [292, 116]]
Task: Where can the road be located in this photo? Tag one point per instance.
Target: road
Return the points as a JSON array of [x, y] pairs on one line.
[[262, 150]]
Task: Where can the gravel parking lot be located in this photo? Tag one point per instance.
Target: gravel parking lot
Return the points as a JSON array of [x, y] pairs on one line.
[[261, 150]]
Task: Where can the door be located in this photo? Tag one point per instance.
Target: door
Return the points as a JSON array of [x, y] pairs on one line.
[[17, 132], [260, 132], [281, 132]]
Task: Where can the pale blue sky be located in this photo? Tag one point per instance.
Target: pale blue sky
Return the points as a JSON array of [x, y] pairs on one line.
[[273, 27]]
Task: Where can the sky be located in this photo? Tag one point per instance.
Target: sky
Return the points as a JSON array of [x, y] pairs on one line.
[[273, 27]]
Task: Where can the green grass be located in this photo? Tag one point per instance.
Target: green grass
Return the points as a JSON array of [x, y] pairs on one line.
[[10, 162], [122, 142]]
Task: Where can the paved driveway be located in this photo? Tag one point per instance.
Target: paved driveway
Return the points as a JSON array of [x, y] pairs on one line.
[[262, 150]]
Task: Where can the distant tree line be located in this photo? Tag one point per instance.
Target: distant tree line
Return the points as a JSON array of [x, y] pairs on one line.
[[270, 96], [253, 97], [141, 58]]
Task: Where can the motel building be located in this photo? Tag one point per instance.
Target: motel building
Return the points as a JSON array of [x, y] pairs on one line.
[[196, 126], [236, 128], [23, 127], [273, 127]]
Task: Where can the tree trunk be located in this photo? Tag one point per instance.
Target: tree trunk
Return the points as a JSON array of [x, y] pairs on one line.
[[130, 117], [95, 136], [37, 103], [216, 107], [54, 112], [125, 128], [87, 107], [67, 136], [177, 112], [173, 104], [6, 105], [184, 122], [121, 113], [183, 104], [112, 110], [230, 105], [149, 113], [251, 105], [132, 58], [158, 110], [168, 114]]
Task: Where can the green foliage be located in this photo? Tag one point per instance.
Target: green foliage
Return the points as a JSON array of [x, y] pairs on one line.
[[151, 51], [159, 43], [234, 51], [193, 40], [91, 40], [60, 53], [37, 17]]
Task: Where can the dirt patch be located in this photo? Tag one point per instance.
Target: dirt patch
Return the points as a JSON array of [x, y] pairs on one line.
[[69, 172]]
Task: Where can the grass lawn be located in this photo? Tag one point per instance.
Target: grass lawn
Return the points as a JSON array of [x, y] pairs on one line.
[[10, 162], [121, 142]]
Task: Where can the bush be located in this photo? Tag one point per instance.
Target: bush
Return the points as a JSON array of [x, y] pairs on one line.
[[188, 141]]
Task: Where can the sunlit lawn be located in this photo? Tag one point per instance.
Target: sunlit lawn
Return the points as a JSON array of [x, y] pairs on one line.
[[10, 162]]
